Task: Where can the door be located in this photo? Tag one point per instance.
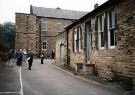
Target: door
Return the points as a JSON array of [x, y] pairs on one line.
[[88, 42], [62, 54]]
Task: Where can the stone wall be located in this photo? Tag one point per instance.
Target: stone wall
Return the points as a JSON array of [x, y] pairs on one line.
[[76, 57], [25, 31], [120, 61], [61, 40], [50, 34], [103, 59], [125, 56]]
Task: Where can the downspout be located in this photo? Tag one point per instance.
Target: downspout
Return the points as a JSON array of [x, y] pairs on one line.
[[68, 55], [27, 33], [40, 37]]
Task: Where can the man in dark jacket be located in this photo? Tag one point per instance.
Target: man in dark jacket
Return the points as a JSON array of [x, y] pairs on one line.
[[30, 58], [20, 58], [53, 55], [10, 56], [17, 57]]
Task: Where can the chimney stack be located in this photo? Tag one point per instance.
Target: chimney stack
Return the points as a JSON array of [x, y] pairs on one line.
[[96, 5], [58, 8]]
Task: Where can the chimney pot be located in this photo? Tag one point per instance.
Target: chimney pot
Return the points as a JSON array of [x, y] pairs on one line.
[[96, 5]]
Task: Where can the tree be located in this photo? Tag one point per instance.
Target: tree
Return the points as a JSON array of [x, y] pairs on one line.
[[9, 35], [1, 37]]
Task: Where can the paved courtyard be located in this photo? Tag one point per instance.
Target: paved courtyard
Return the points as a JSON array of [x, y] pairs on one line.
[[46, 79]]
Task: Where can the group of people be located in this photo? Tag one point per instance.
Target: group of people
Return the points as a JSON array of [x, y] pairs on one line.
[[19, 57]]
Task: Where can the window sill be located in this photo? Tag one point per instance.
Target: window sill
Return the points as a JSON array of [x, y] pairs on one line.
[[112, 47], [44, 49], [44, 30], [101, 48]]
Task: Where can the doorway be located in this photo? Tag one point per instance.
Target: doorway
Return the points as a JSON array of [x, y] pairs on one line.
[[88, 42]]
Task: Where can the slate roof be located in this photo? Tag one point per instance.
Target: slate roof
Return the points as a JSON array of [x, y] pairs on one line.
[[57, 13], [105, 5]]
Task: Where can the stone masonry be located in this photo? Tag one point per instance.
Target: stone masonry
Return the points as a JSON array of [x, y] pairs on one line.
[[61, 41], [49, 35], [109, 62], [25, 31], [76, 57], [119, 60]]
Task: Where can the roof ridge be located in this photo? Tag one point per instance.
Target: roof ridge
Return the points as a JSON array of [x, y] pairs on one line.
[[57, 12], [60, 9]]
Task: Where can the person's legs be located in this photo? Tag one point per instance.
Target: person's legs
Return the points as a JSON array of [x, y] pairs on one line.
[[30, 64], [19, 62], [42, 61]]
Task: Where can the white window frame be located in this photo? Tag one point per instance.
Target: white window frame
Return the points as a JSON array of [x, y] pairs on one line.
[[113, 14], [44, 25], [75, 40], [80, 39], [59, 27], [44, 46], [100, 30]]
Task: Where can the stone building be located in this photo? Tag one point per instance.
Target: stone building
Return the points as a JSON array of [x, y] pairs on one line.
[[25, 31], [38, 29], [61, 48], [105, 37]]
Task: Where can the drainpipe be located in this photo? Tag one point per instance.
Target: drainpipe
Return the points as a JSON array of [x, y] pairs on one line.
[[27, 33], [68, 52], [40, 37]]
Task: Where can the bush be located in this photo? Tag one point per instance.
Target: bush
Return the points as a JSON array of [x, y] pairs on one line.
[[66, 60]]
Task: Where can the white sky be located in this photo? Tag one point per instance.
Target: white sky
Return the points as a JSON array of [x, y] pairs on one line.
[[8, 8]]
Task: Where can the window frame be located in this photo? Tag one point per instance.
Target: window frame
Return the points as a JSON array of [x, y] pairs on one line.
[[101, 25], [59, 25], [44, 25], [77, 38], [111, 27], [44, 46]]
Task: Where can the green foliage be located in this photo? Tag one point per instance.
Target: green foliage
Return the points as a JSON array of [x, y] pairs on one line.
[[7, 39], [66, 60], [7, 36]]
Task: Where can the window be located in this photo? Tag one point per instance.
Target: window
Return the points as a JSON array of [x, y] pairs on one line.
[[44, 45], [77, 36], [44, 24], [59, 25], [80, 39], [111, 29], [75, 40], [101, 32]]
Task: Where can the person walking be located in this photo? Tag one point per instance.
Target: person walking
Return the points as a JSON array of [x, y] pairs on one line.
[[53, 54], [30, 58], [42, 58], [17, 57], [10, 58], [20, 58]]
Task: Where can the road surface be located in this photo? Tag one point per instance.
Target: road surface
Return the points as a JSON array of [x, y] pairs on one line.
[[46, 79]]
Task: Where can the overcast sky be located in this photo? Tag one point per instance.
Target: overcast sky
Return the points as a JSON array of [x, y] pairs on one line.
[[8, 8]]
